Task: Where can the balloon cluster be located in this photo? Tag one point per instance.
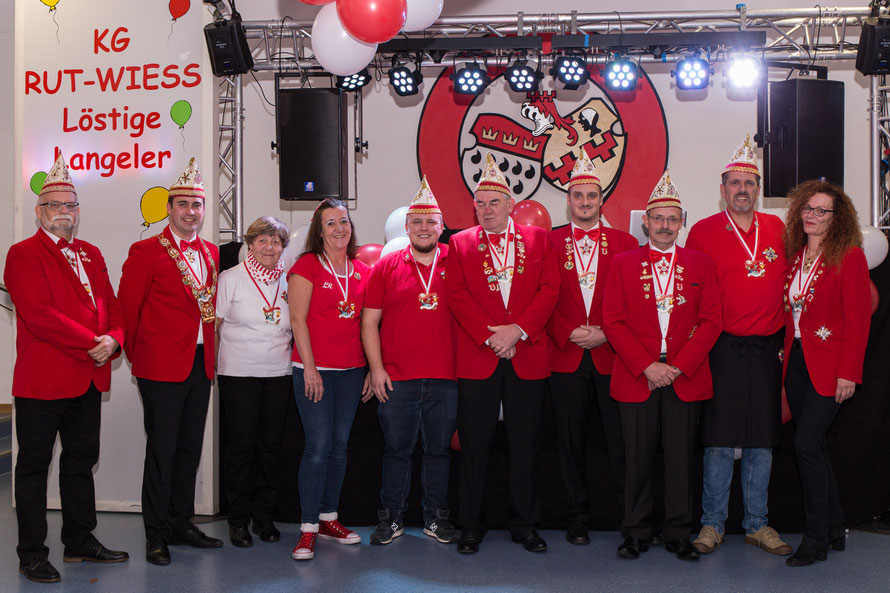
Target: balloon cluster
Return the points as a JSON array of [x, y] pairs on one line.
[[345, 33]]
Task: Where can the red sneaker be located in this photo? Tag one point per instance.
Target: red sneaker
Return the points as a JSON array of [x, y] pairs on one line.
[[334, 530], [305, 548]]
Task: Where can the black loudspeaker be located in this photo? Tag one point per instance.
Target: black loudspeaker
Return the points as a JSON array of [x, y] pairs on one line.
[[806, 134], [311, 144], [873, 55], [227, 46]]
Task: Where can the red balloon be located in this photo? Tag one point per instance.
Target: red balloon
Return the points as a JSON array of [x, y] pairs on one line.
[[369, 254], [178, 8], [372, 21], [875, 297], [532, 213]]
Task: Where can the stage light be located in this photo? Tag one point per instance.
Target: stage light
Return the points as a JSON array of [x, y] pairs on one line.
[[405, 78], [523, 76], [354, 82], [570, 72], [622, 74], [743, 71], [692, 73], [470, 78]]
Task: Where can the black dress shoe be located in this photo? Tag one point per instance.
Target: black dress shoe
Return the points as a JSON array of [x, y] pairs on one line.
[[807, 553], [577, 534], [530, 540], [632, 548], [683, 548], [266, 530], [239, 536], [40, 570], [837, 538], [195, 538], [156, 552], [469, 541], [95, 553]]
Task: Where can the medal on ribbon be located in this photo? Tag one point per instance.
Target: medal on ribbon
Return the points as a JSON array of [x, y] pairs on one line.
[[345, 307], [754, 266], [429, 301]]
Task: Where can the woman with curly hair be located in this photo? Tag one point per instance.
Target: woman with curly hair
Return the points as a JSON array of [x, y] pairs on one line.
[[827, 318]]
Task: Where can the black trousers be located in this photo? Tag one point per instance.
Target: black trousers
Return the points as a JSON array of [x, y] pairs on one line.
[[478, 406], [76, 420], [667, 419], [582, 407], [254, 409], [813, 415], [174, 415]]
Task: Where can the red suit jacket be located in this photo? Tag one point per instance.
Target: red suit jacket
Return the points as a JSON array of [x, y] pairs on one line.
[[533, 294], [631, 324], [834, 322], [56, 320], [161, 314], [570, 312]]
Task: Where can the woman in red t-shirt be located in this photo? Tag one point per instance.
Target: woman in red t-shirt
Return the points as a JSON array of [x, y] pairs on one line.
[[326, 288]]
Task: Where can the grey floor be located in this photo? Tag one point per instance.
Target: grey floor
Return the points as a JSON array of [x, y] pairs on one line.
[[415, 562]]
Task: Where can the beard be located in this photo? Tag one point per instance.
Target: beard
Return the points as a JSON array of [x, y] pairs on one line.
[[424, 248]]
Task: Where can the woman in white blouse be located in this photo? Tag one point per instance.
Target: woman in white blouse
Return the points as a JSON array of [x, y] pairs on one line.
[[254, 370]]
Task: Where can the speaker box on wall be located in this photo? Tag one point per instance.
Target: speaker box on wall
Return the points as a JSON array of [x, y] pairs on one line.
[[806, 134], [311, 144], [227, 46]]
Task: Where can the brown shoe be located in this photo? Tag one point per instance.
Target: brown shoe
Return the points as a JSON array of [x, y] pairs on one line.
[[708, 540], [767, 538]]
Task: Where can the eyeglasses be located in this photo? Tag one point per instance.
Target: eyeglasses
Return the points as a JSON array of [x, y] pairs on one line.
[[818, 211], [671, 220], [57, 206]]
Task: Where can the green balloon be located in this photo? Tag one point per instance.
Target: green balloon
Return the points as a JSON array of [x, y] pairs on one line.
[[181, 112], [37, 180]]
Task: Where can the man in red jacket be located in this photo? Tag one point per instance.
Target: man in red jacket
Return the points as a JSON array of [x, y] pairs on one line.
[[502, 284], [662, 316], [67, 320], [168, 294], [581, 360]]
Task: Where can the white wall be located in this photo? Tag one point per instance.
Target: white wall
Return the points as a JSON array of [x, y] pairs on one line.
[[7, 150], [702, 133]]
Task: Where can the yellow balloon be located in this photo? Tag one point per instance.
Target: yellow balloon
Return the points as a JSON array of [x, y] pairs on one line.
[[50, 3], [154, 204]]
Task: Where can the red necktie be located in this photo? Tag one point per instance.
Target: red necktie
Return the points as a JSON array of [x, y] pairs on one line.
[[594, 234], [183, 245], [656, 256], [63, 243], [497, 239]]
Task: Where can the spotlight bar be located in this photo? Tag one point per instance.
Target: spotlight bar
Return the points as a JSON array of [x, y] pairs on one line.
[[622, 74], [354, 82], [470, 79], [737, 39]]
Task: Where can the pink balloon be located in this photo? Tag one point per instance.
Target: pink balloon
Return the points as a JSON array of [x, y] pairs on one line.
[[875, 297], [369, 254], [372, 21], [532, 213]]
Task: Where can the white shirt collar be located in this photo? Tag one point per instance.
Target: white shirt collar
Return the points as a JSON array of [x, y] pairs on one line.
[[181, 239], [670, 250]]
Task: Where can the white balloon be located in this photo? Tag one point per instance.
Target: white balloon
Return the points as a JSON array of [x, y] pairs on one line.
[[396, 244], [874, 244], [395, 224], [421, 14], [335, 49], [295, 246]]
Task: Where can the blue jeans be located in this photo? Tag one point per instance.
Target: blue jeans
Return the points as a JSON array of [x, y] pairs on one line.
[[327, 425], [427, 406], [718, 465]]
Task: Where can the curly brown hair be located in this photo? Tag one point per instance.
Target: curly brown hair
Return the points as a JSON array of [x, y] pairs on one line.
[[314, 241], [843, 233]]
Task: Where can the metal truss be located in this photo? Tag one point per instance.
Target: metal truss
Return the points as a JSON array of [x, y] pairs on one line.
[[805, 35]]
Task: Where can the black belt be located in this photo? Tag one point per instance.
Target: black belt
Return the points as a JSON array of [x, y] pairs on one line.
[[663, 357], [199, 347], [795, 343]]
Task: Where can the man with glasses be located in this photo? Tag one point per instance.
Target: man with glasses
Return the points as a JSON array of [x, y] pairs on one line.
[[68, 321], [662, 315], [168, 296], [745, 413]]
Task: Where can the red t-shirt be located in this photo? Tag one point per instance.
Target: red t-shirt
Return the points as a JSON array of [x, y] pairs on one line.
[[336, 339], [417, 343], [751, 306]]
